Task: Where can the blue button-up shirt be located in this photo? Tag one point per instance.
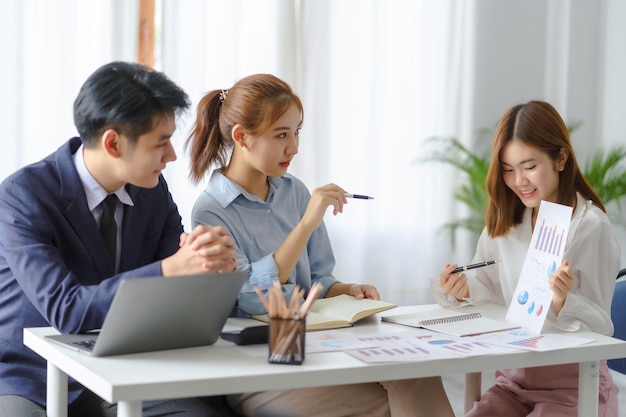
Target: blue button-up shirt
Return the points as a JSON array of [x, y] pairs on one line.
[[259, 228]]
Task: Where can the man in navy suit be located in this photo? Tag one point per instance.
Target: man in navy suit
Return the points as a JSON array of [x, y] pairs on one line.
[[54, 266]]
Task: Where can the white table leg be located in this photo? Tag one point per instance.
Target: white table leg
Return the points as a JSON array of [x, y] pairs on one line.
[[129, 409], [473, 383], [588, 388], [56, 392]]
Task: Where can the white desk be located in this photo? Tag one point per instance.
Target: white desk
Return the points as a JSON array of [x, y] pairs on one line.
[[226, 368]]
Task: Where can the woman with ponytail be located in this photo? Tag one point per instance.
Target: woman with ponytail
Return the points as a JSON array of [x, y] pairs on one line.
[[249, 135]]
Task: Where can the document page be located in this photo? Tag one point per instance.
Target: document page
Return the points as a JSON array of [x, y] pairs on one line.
[[531, 300]]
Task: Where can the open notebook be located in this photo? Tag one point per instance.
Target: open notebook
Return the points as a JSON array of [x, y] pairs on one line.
[[339, 311], [157, 313]]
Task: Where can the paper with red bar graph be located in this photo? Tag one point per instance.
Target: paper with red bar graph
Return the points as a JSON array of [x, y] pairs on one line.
[[527, 340], [531, 300]]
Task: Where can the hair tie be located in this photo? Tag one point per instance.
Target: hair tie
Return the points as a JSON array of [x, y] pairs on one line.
[[223, 95]]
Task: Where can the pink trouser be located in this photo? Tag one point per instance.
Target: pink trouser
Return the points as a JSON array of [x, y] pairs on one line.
[[403, 398], [544, 391]]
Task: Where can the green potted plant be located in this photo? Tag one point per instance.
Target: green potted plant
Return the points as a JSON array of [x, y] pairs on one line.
[[605, 170]]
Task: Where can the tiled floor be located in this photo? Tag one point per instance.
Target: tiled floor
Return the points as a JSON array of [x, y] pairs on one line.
[[454, 385]]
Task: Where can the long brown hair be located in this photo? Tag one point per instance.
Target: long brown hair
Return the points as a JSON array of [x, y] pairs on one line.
[[255, 102], [539, 125]]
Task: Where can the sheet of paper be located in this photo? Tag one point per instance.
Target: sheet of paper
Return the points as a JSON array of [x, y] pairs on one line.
[[528, 340], [399, 349], [332, 340], [422, 345], [531, 300]]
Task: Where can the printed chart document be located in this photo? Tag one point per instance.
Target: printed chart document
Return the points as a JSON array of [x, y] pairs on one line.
[[454, 322], [421, 345], [527, 340], [334, 340], [531, 300], [340, 311]]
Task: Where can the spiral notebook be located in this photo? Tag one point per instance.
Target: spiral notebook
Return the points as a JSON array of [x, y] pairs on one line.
[[451, 322]]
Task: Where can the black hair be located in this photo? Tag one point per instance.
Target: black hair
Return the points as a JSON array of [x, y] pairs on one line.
[[127, 97]]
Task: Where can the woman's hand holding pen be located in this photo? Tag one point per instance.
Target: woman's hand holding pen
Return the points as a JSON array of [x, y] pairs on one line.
[[454, 283], [561, 283], [321, 199]]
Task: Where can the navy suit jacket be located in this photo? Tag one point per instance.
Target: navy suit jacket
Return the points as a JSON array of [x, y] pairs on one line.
[[53, 265]]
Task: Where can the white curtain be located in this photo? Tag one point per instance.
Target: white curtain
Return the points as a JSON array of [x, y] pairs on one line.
[[49, 48], [377, 78]]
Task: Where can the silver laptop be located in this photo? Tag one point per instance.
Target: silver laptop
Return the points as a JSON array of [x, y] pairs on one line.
[[157, 313]]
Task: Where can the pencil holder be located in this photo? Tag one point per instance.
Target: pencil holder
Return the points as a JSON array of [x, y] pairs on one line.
[[286, 341]]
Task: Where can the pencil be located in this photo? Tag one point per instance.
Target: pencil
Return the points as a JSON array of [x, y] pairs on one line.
[[474, 266], [263, 299]]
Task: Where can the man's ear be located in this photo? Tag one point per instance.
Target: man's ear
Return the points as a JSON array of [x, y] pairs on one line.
[[111, 143]]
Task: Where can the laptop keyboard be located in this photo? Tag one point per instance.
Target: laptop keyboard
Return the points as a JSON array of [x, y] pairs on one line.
[[85, 344]]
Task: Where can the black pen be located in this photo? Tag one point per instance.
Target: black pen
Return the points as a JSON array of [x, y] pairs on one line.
[[474, 266], [360, 196]]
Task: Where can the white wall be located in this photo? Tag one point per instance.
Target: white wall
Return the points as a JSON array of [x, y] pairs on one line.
[[611, 109], [569, 53]]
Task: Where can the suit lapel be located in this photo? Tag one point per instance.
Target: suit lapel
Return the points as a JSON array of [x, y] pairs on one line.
[[77, 212]]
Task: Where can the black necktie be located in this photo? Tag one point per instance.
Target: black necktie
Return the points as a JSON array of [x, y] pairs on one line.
[[108, 227]]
